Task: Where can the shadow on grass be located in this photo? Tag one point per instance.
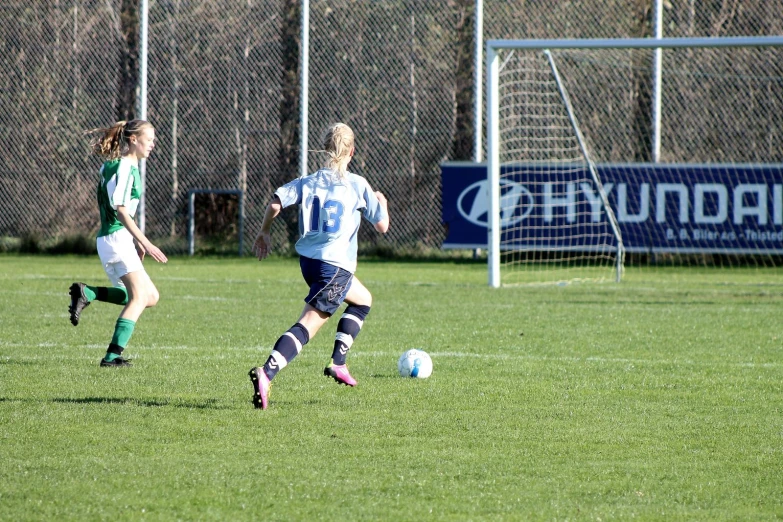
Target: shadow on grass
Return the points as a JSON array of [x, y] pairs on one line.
[[210, 404]]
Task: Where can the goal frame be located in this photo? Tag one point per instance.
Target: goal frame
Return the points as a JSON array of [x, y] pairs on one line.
[[493, 114]]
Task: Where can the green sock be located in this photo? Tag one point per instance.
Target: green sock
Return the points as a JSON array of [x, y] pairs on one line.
[[122, 334], [115, 294], [90, 292]]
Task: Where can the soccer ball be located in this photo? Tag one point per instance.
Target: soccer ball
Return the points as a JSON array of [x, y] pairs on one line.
[[415, 363]]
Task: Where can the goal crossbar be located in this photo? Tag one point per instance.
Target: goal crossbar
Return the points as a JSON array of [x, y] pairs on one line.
[[634, 43]]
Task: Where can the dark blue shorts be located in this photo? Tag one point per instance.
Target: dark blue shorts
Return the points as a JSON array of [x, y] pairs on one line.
[[328, 284]]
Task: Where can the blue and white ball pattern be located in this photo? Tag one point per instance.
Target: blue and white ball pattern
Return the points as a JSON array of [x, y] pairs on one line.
[[415, 363]]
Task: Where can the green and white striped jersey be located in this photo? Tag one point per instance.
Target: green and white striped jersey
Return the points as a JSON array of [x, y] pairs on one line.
[[119, 185]]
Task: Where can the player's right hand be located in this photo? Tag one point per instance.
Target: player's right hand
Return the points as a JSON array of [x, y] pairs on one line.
[[262, 245], [140, 249]]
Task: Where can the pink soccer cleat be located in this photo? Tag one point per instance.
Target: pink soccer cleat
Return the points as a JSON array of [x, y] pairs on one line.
[[261, 387], [340, 374]]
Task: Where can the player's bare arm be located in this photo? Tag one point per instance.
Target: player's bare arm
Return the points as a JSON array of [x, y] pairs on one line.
[[383, 225], [141, 240], [139, 249], [263, 243]]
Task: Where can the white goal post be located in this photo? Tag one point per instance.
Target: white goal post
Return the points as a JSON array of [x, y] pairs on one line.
[[558, 173]]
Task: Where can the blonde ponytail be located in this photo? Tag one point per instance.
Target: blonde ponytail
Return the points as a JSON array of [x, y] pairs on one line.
[[338, 144]]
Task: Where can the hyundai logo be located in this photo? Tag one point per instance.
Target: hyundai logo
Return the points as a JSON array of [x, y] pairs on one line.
[[516, 203]]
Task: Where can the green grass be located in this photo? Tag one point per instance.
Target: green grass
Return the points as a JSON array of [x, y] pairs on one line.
[[658, 398]]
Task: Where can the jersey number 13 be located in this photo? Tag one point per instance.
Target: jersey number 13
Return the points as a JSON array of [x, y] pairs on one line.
[[333, 210]]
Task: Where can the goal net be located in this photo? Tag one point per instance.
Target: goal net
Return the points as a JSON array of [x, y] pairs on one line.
[[547, 233], [604, 154]]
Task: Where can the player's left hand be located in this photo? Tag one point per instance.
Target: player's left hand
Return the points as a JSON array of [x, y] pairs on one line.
[[262, 245]]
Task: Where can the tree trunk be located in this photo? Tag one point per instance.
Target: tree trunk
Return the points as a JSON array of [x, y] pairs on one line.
[[414, 104], [175, 85], [642, 87], [129, 60], [462, 142], [288, 163]]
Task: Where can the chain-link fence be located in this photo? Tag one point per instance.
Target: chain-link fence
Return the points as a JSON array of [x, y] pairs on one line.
[[214, 97], [59, 78], [224, 97], [385, 68]]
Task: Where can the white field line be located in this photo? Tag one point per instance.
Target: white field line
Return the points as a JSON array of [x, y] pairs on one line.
[[102, 282], [636, 279], [139, 350], [186, 297]]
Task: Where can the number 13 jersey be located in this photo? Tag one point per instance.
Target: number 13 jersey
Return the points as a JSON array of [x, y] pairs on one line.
[[330, 212]]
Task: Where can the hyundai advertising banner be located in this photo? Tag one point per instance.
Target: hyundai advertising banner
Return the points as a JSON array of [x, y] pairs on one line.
[[659, 208]]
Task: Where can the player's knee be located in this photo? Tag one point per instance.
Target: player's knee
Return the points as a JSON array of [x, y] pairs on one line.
[[362, 297], [152, 297], [144, 297], [137, 301], [365, 299]]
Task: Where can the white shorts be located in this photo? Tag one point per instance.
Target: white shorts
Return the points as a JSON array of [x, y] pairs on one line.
[[118, 255]]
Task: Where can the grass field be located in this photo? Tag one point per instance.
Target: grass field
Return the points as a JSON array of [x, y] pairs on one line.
[[658, 398]]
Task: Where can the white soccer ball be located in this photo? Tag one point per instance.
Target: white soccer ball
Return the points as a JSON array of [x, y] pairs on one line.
[[415, 363]]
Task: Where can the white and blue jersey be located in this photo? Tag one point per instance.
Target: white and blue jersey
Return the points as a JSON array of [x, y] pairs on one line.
[[330, 212]]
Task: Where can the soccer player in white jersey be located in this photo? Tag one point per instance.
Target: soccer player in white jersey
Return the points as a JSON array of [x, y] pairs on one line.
[[331, 203], [121, 245]]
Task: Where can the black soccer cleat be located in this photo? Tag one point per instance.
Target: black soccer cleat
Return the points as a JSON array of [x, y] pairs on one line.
[[119, 361], [78, 302]]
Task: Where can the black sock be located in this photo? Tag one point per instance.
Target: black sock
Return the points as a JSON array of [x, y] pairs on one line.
[[286, 348], [347, 329], [113, 352], [116, 294]]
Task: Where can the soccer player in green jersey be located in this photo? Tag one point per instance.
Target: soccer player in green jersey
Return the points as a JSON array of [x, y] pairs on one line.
[[121, 244]]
